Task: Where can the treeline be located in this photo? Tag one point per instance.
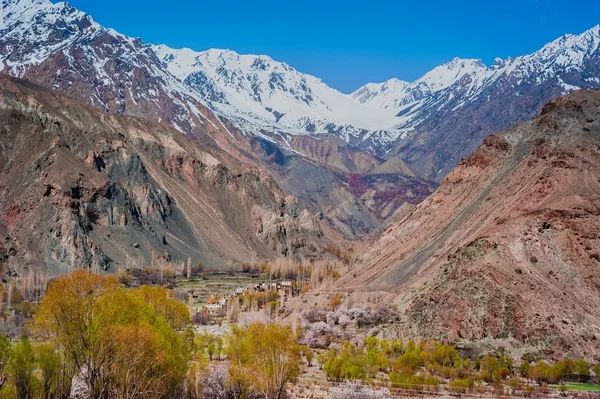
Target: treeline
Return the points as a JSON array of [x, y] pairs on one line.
[[428, 363], [306, 274]]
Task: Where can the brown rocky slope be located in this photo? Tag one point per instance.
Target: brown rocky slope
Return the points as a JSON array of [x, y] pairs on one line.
[[507, 248], [85, 188]]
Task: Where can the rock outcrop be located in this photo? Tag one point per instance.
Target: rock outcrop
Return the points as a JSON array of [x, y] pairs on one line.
[[84, 188]]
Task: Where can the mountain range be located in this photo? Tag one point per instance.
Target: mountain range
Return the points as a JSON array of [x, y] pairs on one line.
[[361, 159], [376, 152], [261, 95]]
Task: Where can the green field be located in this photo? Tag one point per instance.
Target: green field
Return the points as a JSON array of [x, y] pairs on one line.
[[578, 386]]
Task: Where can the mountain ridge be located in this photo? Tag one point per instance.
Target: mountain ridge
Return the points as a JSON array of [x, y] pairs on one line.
[[308, 105], [266, 114]]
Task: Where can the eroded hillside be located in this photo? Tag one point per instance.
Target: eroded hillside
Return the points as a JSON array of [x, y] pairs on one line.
[[507, 247], [82, 188]]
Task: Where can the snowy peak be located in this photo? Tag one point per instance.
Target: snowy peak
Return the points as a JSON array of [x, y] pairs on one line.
[[381, 95], [567, 52], [449, 73], [32, 30], [262, 96], [268, 92], [467, 78], [396, 93]]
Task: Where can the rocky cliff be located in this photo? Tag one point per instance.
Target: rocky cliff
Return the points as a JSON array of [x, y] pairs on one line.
[[85, 188]]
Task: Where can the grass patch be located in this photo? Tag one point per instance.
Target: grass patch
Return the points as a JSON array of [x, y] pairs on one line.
[[578, 386]]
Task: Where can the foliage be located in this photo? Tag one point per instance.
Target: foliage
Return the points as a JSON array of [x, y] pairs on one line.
[[413, 381], [264, 358], [49, 365], [22, 368], [462, 385], [123, 341], [5, 357]]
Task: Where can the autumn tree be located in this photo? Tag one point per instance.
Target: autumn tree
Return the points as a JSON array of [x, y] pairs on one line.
[[268, 357], [141, 366], [70, 315], [122, 342]]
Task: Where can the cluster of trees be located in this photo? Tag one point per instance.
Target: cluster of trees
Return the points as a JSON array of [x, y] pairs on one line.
[[427, 363], [348, 255], [164, 275], [306, 274], [113, 342], [94, 337], [32, 371], [264, 359], [575, 370], [252, 301]]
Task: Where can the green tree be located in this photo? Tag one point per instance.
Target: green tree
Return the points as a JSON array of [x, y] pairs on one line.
[[267, 356], [582, 370], [23, 365], [5, 356], [49, 364]]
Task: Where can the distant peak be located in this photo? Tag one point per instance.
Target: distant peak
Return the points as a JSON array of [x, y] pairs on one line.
[[462, 62], [396, 81], [21, 3]]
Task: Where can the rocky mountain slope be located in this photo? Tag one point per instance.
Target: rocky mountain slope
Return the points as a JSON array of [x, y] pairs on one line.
[[84, 188], [59, 47], [361, 159], [506, 249]]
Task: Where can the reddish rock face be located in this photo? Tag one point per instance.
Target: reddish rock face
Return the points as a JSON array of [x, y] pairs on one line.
[[10, 215], [84, 188], [506, 248]]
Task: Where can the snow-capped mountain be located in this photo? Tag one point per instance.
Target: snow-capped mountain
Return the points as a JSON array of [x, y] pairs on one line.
[[446, 114], [58, 46], [465, 79], [61, 48], [271, 94], [396, 93], [221, 95]]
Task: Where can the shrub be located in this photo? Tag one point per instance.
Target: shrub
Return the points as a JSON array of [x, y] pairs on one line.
[[462, 385]]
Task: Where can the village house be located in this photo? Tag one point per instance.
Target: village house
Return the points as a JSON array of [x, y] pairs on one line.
[[214, 307]]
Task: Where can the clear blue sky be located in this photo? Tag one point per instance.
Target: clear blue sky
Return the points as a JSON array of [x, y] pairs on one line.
[[349, 43]]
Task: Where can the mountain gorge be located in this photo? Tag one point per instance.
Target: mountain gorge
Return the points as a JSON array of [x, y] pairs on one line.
[[377, 152], [360, 161]]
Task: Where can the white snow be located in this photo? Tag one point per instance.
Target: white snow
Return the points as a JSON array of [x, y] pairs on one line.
[[262, 96]]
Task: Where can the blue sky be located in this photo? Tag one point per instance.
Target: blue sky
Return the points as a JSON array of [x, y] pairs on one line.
[[349, 43]]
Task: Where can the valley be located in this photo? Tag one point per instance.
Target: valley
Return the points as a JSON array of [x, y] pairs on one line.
[[208, 224]]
